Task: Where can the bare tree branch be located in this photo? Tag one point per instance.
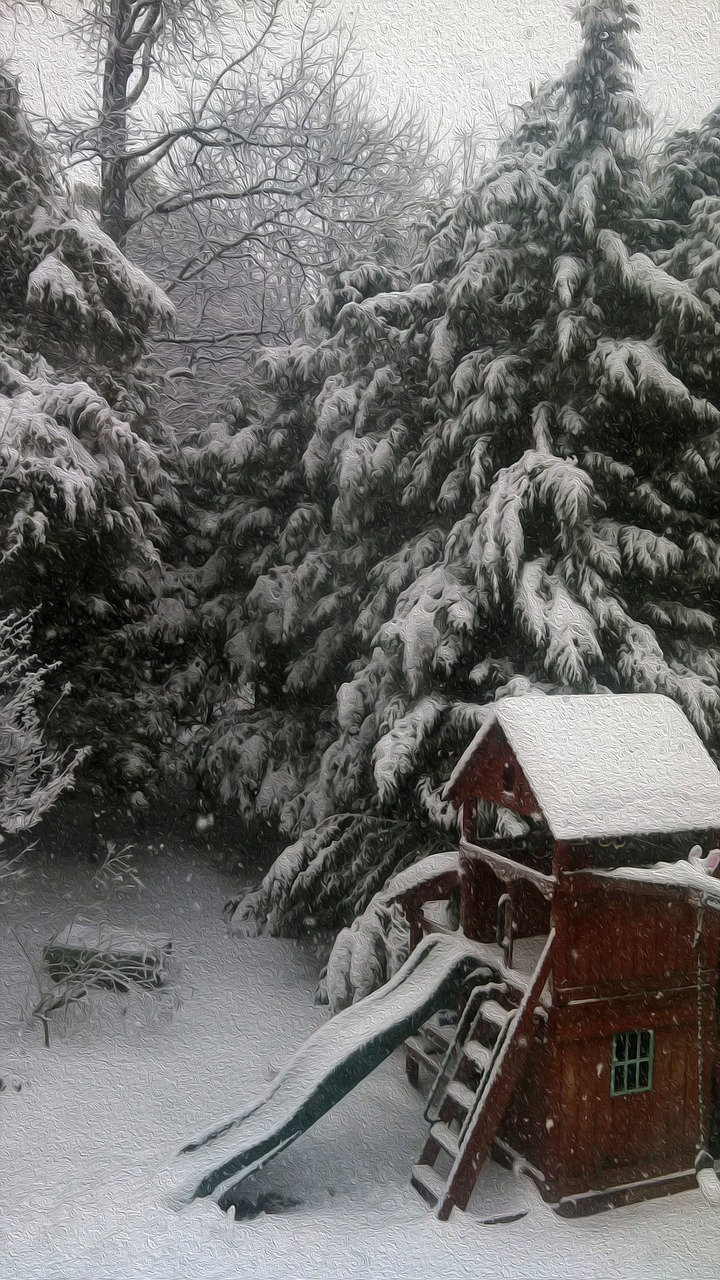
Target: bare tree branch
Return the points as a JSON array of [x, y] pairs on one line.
[[259, 162]]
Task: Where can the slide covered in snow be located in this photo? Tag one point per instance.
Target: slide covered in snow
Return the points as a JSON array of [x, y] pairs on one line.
[[326, 1067]]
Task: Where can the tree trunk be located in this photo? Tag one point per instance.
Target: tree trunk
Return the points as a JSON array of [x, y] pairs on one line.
[[113, 131]]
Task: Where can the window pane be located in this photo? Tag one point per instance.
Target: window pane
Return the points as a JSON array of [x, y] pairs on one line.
[[631, 1062]]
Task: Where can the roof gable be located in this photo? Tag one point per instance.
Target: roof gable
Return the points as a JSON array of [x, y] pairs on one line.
[[607, 765]]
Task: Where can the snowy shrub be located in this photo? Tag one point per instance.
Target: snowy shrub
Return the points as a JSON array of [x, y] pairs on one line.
[[32, 773], [92, 973], [94, 996]]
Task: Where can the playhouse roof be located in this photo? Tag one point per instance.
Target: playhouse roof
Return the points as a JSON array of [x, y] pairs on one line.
[[607, 765]]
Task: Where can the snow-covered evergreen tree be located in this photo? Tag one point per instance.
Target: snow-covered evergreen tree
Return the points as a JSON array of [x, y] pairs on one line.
[[686, 189], [86, 491], [498, 474], [687, 169]]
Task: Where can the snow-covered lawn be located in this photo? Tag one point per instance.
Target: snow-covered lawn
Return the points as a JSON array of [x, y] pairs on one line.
[[88, 1141]]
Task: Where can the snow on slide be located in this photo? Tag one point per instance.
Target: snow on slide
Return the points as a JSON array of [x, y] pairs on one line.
[[327, 1066]]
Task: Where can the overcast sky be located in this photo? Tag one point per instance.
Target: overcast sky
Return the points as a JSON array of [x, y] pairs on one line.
[[460, 54], [466, 58]]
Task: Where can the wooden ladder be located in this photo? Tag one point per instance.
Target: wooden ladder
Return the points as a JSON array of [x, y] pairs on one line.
[[499, 1069]]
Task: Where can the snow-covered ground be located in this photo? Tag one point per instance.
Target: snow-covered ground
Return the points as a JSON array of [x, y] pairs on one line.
[[88, 1141]]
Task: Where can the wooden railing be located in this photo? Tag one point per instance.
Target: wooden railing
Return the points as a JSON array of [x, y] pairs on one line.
[[440, 889], [508, 869]]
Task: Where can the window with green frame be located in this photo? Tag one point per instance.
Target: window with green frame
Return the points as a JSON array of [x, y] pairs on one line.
[[631, 1068]]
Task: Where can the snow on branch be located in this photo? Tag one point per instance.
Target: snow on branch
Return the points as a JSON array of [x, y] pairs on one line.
[[365, 956], [435, 603], [396, 753], [639, 274], [636, 368]]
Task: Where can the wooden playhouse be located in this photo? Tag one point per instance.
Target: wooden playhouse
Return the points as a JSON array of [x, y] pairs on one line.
[[586, 1053]]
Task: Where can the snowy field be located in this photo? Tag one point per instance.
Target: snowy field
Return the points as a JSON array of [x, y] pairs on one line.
[[88, 1139]]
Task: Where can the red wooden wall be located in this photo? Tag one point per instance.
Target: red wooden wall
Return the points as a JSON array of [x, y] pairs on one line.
[[626, 961], [484, 778]]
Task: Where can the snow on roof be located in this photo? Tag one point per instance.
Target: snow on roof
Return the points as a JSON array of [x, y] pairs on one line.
[[608, 765], [104, 937]]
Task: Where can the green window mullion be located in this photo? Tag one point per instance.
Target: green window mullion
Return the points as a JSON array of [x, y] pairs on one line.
[[631, 1065]]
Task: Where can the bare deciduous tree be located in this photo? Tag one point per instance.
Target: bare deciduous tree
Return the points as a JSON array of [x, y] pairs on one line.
[[286, 170], [128, 45], [237, 152]]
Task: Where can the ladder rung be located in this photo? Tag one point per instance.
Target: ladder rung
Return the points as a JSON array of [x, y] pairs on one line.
[[509, 1056], [443, 1134], [496, 1013], [437, 1035], [417, 1050], [477, 1053], [460, 1094], [428, 1182]]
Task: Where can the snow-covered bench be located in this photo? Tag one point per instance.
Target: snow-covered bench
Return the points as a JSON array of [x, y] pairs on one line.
[[103, 956]]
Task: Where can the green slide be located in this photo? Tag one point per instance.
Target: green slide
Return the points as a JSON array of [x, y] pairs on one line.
[[326, 1067]]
